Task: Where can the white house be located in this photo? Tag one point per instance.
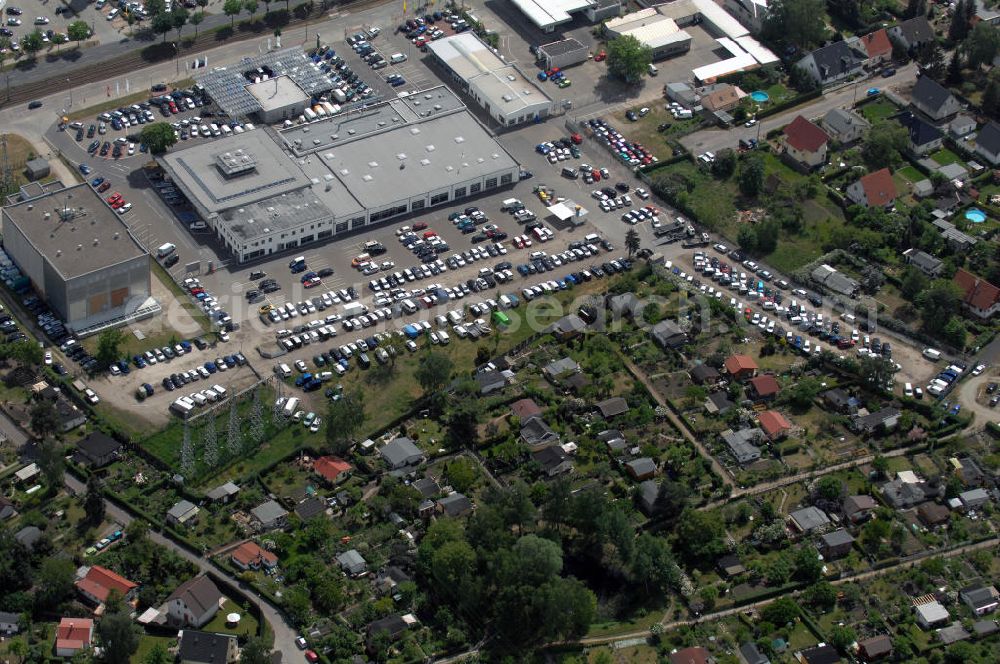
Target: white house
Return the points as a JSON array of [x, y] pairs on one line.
[[194, 603]]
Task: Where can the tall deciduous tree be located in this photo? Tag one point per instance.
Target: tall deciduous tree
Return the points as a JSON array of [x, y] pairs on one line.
[[162, 24], [799, 22], [433, 372], [982, 44], [108, 346], [119, 637], [751, 175], [628, 58], [78, 31], [93, 502], [32, 42], [344, 418], [883, 144], [51, 461], [196, 19], [632, 243], [158, 136], [232, 8]]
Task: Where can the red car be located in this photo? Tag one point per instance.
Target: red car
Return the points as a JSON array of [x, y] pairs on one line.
[[113, 198], [420, 225], [601, 55], [552, 72], [596, 174], [312, 282], [429, 234], [576, 138], [117, 204], [312, 656], [104, 187]]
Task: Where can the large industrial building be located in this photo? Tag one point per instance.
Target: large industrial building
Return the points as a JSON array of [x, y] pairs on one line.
[[270, 87], [506, 94], [80, 258], [267, 191], [547, 14]]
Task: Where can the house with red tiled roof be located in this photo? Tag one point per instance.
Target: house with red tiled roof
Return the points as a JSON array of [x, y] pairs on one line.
[[74, 636], [805, 144], [877, 46], [981, 298], [740, 367], [873, 190], [98, 583], [332, 469], [249, 555], [774, 424], [525, 409], [764, 388], [724, 97], [692, 655]]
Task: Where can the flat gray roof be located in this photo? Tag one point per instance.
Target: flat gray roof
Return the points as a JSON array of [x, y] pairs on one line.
[[196, 167], [562, 46], [279, 213], [277, 92], [81, 234]]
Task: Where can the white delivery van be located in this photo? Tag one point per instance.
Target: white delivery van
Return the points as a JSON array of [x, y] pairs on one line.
[[408, 306], [290, 406], [932, 354], [226, 131], [653, 71], [165, 250], [283, 370], [396, 58], [220, 390]]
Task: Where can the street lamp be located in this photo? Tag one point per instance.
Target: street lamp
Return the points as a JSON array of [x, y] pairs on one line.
[[177, 62]]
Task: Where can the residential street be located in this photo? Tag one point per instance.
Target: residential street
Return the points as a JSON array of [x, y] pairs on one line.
[[714, 140], [284, 635]]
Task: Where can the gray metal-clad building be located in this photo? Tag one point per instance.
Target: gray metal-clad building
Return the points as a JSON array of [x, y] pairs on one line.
[[563, 53], [80, 257], [264, 191]]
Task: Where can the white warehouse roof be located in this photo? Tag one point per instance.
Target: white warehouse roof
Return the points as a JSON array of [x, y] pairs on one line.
[[548, 13], [649, 27], [740, 61], [761, 53]]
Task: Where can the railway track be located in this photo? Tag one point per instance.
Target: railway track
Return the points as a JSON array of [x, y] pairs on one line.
[[139, 58]]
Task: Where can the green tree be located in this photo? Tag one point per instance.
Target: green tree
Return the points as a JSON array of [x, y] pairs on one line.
[[55, 582], [955, 333], [93, 502], [32, 42], [109, 345], [51, 462], [44, 419], [916, 8], [463, 424], [155, 7], [26, 352], [158, 136], [954, 76], [991, 97], [119, 637], [162, 24], [829, 488], [798, 22], [800, 395], [751, 175], [652, 567], [781, 611], [806, 566], [914, 281], [821, 595], [941, 300], [725, 164], [344, 418], [747, 238], [232, 8], [433, 372], [461, 474], [179, 17], [982, 45], [159, 655], [196, 19], [700, 537], [78, 31], [883, 144], [254, 651], [632, 243], [628, 58], [959, 27], [251, 8], [841, 637], [59, 39]]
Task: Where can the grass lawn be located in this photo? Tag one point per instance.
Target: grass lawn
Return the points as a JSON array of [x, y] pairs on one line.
[[711, 201], [146, 644], [944, 156], [248, 624], [878, 110], [110, 104], [644, 130], [819, 217], [19, 152], [911, 174]]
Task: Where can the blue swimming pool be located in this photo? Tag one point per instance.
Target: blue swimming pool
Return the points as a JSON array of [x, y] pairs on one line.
[[760, 96], [975, 215]]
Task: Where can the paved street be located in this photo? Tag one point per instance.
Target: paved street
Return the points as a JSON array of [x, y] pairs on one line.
[[714, 140], [284, 635]]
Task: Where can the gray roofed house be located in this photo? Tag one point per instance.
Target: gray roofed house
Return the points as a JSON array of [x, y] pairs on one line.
[[193, 603], [988, 12], [742, 444], [668, 334], [954, 237], [646, 496], [427, 487], [703, 373], [560, 367], [614, 439], [10, 623], [683, 94], [97, 449], [37, 168], [924, 262], [393, 625], [750, 654], [838, 399], [206, 648], [835, 280], [924, 137], [844, 126], [933, 99], [809, 519], [974, 498], [490, 381], [832, 63], [269, 515], [401, 452], [901, 495], [612, 407], [931, 613], [553, 460], [952, 633], [913, 32], [730, 565], [7, 509], [718, 403], [983, 628], [223, 493], [182, 512], [981, 599], [310, 507], [454, 505], [988, 143], [536, 433], [568, 327], [624, 304], [875, 647], [352, 562], [836, 544], [858, 508], [641, 469], [881, 420], [823, 653], [27, 536]]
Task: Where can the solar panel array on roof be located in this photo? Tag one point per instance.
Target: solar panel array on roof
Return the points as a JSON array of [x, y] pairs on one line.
[[227, 86]]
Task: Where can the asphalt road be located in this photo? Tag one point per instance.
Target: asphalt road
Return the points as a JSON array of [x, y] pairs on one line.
[[713, 140], [284, 635]]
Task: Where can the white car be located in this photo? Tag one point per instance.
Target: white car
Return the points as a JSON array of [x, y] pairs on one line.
[[980, 368], [48, 358]]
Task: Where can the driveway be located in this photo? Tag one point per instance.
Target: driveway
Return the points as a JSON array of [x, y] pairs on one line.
[[284, 635], [967, 392]]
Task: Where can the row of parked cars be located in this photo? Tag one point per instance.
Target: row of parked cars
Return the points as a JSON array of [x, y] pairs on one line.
[[540, 262], [572, 279], [210, 305], [630, 153], [277, 313], [219, 365]]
